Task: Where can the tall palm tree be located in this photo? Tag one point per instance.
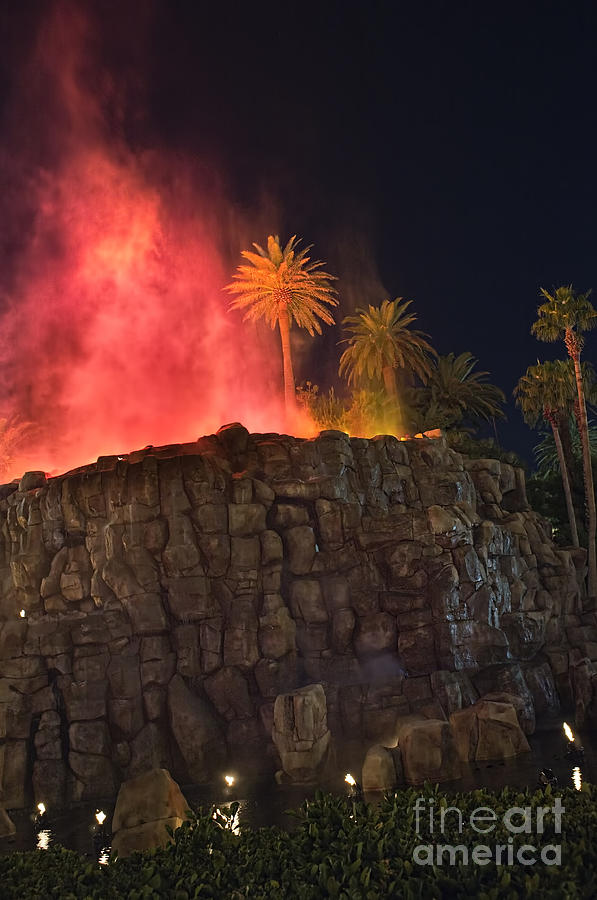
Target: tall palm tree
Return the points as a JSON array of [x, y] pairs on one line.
[[568, 426], [381, 343], [546, 455], [567, 315], [455, 392], [547, 391], [282, 285]]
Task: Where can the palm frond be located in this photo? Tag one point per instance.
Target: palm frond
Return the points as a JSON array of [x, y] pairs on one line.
[[563, 310], [380, 337]]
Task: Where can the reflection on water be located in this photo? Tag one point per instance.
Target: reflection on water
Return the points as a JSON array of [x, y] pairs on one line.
[[43, 839], [104, 857], [262, 803], [228, 816]]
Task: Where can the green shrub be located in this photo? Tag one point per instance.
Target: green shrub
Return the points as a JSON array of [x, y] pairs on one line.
[[340, 848]]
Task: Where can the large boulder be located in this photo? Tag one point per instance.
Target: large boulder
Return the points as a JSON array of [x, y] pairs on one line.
[[488, 730], [144, 807], [382, 769], [301, 733], [509, 679], [526, 716], [427, 749]]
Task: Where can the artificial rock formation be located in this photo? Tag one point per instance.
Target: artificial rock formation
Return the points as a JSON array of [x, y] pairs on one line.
[[488, 730], [382, 768], [171, 595], [427, 749], [145, 807], [301, 734]]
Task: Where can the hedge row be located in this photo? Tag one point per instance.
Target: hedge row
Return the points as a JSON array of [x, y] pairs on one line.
[[346, 849]]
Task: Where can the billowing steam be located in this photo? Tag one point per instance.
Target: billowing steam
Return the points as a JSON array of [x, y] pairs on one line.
[[114, 331]]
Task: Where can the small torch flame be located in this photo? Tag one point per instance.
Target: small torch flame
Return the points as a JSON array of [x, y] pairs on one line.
[[101, 817], [41, 808], [349, 780], [22, 614], [229, 779], [576, 778], [568, 731]]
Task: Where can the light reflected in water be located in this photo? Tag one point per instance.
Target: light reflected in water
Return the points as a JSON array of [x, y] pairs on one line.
[[44, 839], [228, 820], [577, 778], [104, 857]]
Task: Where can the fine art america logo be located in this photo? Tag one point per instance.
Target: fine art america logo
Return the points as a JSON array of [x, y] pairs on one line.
[[434, 824]]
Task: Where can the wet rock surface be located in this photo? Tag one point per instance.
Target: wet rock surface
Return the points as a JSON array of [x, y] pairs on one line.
[[145, 807], [170, 596]]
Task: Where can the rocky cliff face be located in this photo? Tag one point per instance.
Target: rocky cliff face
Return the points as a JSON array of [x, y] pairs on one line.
[[171, 595]]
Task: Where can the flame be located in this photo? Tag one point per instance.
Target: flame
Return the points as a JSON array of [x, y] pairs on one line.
[[101, 817], [115, 332], [349, 779], [577, 778], [41, 808], [568, 731], [22, 614], [229, 779]]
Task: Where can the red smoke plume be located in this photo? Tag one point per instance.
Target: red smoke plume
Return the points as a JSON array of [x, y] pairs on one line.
[[115, 332]]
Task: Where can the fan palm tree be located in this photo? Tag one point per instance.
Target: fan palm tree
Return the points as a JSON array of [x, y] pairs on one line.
[[455, 392], [567, 315], [546, 455], [282, 285], [547, 391], [382, 342]]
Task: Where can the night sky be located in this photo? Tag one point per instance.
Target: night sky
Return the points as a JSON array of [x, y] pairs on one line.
[[443, 152]]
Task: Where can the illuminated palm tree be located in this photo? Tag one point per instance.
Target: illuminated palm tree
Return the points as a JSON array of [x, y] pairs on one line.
[[282, 285], [455, 392], [547, 390], [568, 315], [382, 343]]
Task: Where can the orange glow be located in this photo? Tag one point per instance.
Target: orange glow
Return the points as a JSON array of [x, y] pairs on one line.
[[116, 333]]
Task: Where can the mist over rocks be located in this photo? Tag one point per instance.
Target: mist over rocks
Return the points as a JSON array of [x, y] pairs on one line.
[[172, 594]]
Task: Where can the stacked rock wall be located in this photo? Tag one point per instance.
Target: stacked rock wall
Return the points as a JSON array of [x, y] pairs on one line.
[[169, 596]]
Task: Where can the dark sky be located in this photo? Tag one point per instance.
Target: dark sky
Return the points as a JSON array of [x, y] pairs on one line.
[[440, 151]]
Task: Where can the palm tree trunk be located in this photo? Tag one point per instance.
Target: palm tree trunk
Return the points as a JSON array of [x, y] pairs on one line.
[[575, 474], [289, 386], [588, 475], [563, 422], [389, 380], [566, 483]]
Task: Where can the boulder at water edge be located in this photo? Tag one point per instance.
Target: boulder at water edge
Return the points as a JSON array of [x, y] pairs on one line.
[[144, 807]]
